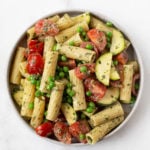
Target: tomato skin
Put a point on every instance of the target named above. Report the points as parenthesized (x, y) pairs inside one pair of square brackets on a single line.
[(70, 63), (45, 129), (61, 131), (83, 45), (97, 89), (33, 47), (98, 38), (35, 64), (46, 27), (79, 127), (84, 75), (122, 58)]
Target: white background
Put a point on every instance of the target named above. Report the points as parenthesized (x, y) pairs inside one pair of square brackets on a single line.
[(17, 15)]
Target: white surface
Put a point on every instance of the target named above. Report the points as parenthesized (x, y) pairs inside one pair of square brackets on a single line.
[(17, 15)]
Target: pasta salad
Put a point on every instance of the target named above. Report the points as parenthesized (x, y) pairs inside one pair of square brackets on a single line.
[(72, 78)]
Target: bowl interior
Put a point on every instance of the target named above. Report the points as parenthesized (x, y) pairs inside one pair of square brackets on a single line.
[(131, 51)]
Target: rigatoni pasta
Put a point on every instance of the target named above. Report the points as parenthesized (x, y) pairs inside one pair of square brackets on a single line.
[(71, 77)]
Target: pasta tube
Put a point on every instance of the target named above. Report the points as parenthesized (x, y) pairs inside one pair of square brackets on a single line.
[(79, 102), (107, 114), (77, 53), (15, 76), (55, 101), (67, 33), (28, 98), (54, 18), (64, 22), (125, 91), (31, 33), (22, 69), (49, 69), (49, 42), (38, 112), (18, 96), (69, 113), (76, 39), (100, 131)]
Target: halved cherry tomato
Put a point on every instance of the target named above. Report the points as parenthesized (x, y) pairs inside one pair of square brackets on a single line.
[(122, 58), (46, 27), (84, 75), (98, 38), (79, 127), (45, 129), (61, 131), (84, 44), (33, 47), (97, 89), (35, 64), (70, 63)]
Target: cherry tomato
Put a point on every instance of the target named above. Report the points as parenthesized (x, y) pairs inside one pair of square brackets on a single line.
[(84, 44), (84, 75), (98, 38), (96, 88), (33, 47), (46, 27), (78, 128), (70, 63), (45, 129), (122, 58), (35, 64), (61, 131)]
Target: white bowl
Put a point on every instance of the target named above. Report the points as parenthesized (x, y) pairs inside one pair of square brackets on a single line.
[(130, 109)]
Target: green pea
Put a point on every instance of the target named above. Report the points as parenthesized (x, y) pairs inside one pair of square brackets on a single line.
[(45, 113), (38, 93), (115, 62), (133, 99), (33, 81), (31, 105), (88, 93), (108, 39), (38, 83), (65, 69), (69, 100), (83, 116), (108, 45), (80, 29), (69, 85), (63, 58), (54, 47), (51, 84), (89, 46), (136, 86), (72, 93), (91, 104), (84, 33), (83, 69), (109, 34), (109, 24), (82, 136), (61, 74), (71, 43), (68, 90), (89, 109), (51, 79)]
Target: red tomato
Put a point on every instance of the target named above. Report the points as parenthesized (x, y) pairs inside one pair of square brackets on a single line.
[(98, 38), (97, 89), (61, 131), (70, 63), (46, 27), (33, 47), (35, 64), (45, 129), (79, 127), (84, 75), (122, 58), (84, 44)]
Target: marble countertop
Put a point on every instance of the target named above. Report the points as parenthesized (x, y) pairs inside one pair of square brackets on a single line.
[(17, 15)]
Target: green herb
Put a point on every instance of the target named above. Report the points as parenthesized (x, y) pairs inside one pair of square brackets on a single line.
[(80, 29), (136, 86), (115, 62), (83, 69), (31, 105), (82, 136), (83, 116), (88, 93), (71, 43), (133, 99), (109, 34), (109, 24), (89, 46)]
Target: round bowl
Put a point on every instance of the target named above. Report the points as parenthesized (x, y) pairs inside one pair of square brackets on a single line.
[(129, 109)]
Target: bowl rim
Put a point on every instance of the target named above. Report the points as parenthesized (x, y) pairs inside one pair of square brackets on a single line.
[(104, 17)]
